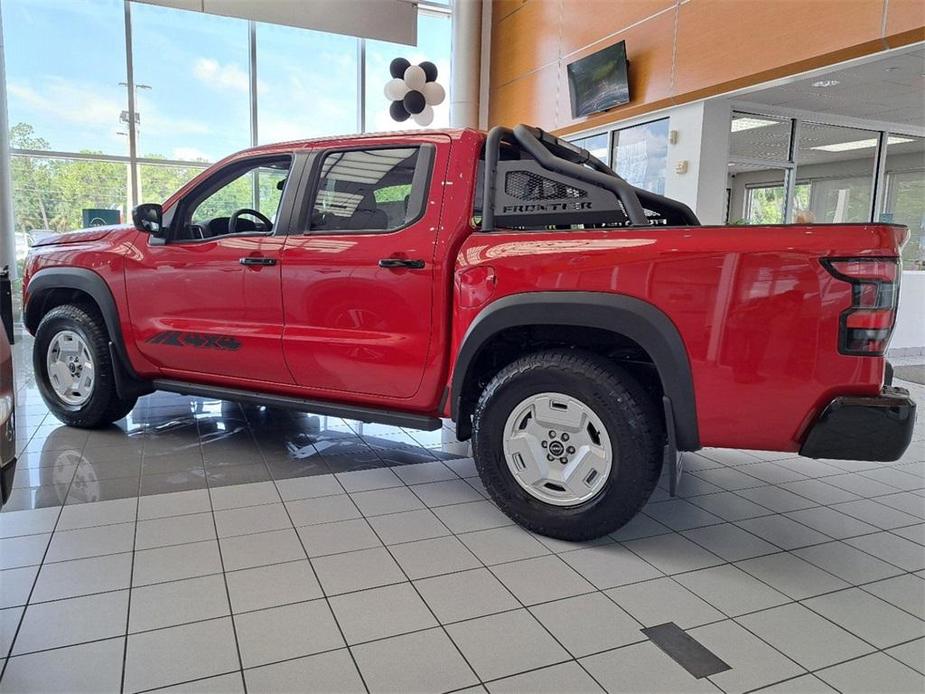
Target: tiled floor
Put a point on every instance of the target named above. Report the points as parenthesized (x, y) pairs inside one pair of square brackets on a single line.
[(210, 548)]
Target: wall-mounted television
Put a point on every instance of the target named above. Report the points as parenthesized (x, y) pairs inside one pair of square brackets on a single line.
[(599, 81)]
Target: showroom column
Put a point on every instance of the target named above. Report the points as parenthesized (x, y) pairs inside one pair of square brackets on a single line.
[(465, 56), (7, 239)]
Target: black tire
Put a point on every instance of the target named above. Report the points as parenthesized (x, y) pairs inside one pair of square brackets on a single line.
[(104, 405), (629, 414)]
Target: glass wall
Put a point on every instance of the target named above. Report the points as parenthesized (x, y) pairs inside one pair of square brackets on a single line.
[(640, 155), (204, 86), (904, 194), (598, 145)]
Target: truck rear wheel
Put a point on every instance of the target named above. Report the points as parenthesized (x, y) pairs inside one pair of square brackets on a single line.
[(567, 444), (74, 369)]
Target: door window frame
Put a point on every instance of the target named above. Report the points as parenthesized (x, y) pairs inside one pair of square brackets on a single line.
[(421, 184), (226, 175)]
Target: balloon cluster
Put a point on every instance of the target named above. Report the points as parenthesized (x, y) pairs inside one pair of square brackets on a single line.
[(413, 91)]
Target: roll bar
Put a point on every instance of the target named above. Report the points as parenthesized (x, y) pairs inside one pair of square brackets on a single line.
[(578, 165)]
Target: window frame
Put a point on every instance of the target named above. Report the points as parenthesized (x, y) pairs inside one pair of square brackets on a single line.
[(222, 177), (421, 184)]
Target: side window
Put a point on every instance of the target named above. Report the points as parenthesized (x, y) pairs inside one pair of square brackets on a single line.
[(379, 189), (254, 186)]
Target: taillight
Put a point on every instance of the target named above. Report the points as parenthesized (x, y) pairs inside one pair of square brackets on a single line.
[(865, 327)]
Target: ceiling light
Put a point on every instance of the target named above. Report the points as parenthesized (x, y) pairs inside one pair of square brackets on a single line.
[(860, 144), (822, 84), (740, 124)]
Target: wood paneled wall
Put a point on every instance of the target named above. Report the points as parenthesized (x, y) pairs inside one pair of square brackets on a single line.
[(680, 50)]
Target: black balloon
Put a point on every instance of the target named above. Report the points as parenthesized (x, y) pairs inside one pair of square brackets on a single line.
[(414, 102), (398, 66), (398, 111), (429, 69)]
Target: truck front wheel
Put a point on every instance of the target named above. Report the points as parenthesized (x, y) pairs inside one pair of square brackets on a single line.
[(74, 370), (567, 444)]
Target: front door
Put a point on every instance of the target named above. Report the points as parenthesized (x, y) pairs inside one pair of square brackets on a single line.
[(358, 281), (206, 302)]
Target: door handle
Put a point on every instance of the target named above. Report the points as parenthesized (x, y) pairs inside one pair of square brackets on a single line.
[(257, 260), (401, 263)]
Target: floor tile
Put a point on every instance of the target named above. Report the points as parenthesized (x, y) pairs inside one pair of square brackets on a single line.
[(818, 491), (230, 683), (30, 522), (9, 623), (26, 550), (905, 554), (177, 602), (422, 473), (906, 592), (880, 515), (503, 544), (97, 513), (271, 586), (731, 590), (444, 493), (173, 563), (408, 526), (342, 536), (831, 522), (638, 527), (252, 519), (381, 501), (83, 576), (610, 565), (664, 600), (247, 551), (810, 640), (325, 509), (91, 542), (869, 617), (174, 530), (174, 504), (15, 586), (679, 514), (89, 667), (804, 684), (366, 480), (290, 631), (434, 557), (783, 532), (325, 672), (729, 542), (754, 663), (75, 620), (911, 654), (643, 668), (847, 563), (422, 662), (673, 553), (381, 612), (367, 568), (178, 654), (565, 677), (876, 672), (465, 594), (310, 487), (728, 478), (541, 579), (505, 644), (588, 624), (729, 506), (792, 576), (240, 495)]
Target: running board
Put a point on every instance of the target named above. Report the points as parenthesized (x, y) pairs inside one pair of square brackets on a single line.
[(369, 415)]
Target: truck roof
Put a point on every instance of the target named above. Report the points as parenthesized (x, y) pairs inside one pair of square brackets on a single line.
[(452, 133)]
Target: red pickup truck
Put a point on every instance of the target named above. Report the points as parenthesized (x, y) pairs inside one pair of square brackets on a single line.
[(581, 331)]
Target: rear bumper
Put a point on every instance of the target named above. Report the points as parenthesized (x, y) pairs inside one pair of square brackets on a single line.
[(853, 428)]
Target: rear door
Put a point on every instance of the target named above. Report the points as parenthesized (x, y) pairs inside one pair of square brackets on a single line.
[(358, 274), (206, 303)]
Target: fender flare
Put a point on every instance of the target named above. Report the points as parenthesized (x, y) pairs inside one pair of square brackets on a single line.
[(638, 320), (90, 283)]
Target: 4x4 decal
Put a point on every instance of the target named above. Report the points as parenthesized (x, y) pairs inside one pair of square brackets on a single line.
[(177, 338)]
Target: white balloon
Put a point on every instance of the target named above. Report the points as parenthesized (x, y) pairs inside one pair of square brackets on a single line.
[(434, 94), (425, 117), (415, 77), (396, 89)]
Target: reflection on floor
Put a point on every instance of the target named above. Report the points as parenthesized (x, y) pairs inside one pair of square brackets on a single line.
[(203, 546)]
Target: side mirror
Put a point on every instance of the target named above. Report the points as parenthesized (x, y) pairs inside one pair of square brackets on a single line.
[(148, 217)]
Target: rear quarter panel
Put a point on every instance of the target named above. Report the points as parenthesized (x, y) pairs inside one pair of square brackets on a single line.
[(757, 312)]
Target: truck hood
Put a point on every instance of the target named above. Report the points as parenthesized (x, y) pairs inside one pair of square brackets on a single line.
[(83, 235)]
